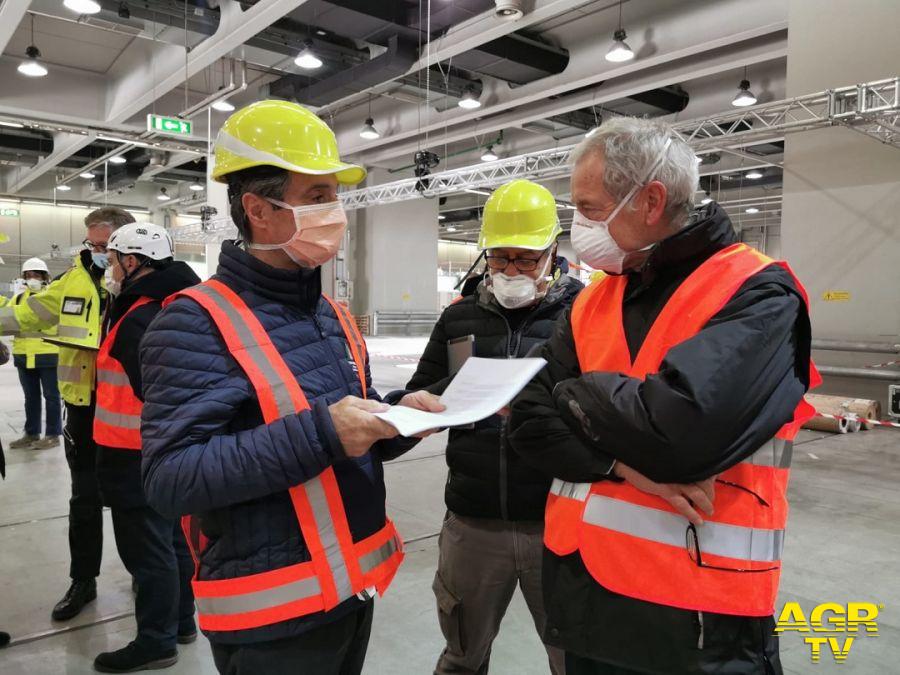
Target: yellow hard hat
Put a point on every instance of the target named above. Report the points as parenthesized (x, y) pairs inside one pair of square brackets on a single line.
[(519, 214), (282, 134)]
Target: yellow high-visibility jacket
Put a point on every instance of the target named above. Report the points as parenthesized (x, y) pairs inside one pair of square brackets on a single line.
[(72, 304), (29, 344)]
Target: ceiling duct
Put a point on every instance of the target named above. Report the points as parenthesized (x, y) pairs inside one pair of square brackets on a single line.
[(399, 57)]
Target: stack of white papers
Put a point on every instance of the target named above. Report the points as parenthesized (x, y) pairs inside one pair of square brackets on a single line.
[(479, 390)]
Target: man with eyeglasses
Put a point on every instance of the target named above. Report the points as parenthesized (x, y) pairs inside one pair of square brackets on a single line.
[(74, 304), (666, 414), (491, 537)]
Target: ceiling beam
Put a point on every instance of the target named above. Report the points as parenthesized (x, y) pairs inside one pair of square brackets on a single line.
[(64, 146), (698, 65), (11, 14), (141, 82), (683, 31), (471, 34)]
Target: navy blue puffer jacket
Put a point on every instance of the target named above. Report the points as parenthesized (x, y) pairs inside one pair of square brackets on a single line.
[(207, 451)]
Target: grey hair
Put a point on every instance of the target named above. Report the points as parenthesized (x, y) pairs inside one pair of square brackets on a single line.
[(630, 146)]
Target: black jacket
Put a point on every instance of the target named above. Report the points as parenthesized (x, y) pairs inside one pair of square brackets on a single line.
[(119, 470), (486, 480), (716, 399)]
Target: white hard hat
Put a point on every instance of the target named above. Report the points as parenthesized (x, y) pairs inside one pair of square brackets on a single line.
[(142, 239), (35, 265)]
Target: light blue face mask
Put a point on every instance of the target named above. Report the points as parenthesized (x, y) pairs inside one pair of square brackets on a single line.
[(100, 260)]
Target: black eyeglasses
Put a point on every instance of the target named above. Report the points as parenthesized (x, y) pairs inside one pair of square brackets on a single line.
[(692, 543), (100, 248), (501, 262)]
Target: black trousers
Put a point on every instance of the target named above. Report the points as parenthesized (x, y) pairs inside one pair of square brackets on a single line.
[(154, 552), (337, 648), (85, 506)]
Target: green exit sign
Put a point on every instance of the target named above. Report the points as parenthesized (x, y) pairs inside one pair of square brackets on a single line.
[(12, 213), (168, 125)]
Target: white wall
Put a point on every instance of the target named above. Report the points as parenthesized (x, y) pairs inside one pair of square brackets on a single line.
[(395, 251), (840, 224)]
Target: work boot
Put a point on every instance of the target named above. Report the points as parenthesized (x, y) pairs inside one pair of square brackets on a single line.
[(187, 632), (79, 594), (132, 658), (45, 443), (24, 442)]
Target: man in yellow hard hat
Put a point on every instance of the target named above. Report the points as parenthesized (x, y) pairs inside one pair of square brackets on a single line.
[(258, 416), (492, 532)]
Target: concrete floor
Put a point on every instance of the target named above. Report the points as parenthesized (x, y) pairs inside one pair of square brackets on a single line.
[(844, 546)]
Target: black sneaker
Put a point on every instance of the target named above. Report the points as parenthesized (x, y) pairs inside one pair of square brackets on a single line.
[(80, 593), (132, 658)]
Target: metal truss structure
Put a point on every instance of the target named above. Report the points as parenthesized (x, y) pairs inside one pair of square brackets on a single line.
[(872, 109)]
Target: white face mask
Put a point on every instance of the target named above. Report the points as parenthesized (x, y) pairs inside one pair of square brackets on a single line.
[(520, 290), (34, 284), (591, 238), (113, 287)]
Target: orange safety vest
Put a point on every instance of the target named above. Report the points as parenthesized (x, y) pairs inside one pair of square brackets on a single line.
[(634, 543), (340, 567), (117, 420)]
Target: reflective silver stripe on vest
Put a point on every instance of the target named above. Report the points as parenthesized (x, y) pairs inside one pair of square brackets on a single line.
[(69, 373), (8, 321), (577, 491), (256, 600), (120, 420), (373, 559), (777, 452), (732, 541), (76, 332), (40, 311), (253, 350), (113, 378), (325, 527)]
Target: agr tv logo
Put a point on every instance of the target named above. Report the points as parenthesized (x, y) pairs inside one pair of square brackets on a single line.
[(834, 621)]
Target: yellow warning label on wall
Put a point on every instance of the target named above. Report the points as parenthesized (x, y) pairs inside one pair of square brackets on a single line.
[(836, 296)]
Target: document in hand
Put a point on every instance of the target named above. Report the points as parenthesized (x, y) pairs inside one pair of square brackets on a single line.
[(480, 389)]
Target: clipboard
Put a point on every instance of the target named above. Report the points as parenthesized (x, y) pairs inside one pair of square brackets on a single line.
[(458, 352)]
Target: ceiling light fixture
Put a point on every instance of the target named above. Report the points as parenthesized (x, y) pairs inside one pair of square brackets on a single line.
[(753, 174), (31, 65), (451, 229), (162, 196), (63, 188), (118, 159), (744, 97), (469, 100), (87, 174), (14, 125), (196, 187), (751, 209), (477, 192), (83, 6), (489, 155), (307, 58), (369, 132), (222, 105), (620, 51), (441, 216)]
